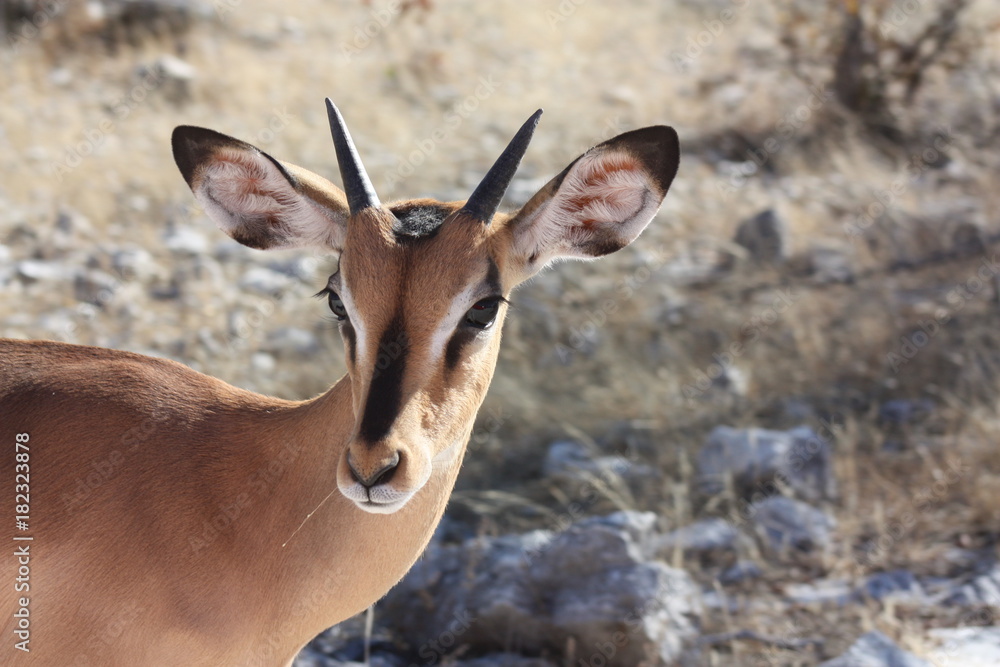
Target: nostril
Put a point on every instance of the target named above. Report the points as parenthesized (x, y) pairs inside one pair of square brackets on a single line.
[(380, 476), (387, 471)]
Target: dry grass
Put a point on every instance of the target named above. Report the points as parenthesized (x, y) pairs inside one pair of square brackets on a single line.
[(599, 70)]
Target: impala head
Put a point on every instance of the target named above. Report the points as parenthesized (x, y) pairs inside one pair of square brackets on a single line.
[(421, 286)]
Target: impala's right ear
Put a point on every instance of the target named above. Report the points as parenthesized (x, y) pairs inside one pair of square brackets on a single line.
[(600, 202), (257, 200)]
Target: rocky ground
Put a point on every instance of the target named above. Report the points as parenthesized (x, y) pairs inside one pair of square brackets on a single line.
[(765, 434)]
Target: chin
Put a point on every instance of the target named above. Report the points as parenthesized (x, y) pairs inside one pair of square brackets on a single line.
[(380, 508), (380, 500)]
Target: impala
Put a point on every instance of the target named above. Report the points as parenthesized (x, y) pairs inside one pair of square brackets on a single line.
[(223, 527)]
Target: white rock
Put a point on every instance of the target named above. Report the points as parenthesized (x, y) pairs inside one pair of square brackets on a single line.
[(789, 524), (874, 649), (265, 281), (968, 647), (43, 271), (186, 241)]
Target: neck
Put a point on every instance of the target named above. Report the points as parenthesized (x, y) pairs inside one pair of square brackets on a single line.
[(328, 559)]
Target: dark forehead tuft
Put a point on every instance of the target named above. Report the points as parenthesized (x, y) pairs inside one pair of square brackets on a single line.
[(418, 221)]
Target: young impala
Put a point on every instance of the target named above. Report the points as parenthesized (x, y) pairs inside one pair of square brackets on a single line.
[(162, 501)]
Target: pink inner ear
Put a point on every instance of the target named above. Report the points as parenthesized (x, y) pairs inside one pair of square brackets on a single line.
[(608, 188), (241, 183)]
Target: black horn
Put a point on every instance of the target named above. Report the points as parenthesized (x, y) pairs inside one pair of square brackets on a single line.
[(357, 186), (486, 199)]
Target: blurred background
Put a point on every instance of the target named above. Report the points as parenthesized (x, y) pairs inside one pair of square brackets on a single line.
[(826, 258)]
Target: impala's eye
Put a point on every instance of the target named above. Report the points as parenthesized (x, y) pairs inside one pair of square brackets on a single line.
[(483, 314), (337, 306)]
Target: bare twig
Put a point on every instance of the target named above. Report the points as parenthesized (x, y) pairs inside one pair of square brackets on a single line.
[(750, 635)]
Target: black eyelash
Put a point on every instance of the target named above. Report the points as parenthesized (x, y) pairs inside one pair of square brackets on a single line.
[(322, 293)]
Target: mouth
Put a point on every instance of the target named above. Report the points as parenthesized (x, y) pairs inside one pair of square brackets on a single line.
[(373, 507), (376, 500)]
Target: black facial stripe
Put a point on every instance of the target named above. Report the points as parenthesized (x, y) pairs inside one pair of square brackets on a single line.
[(453, 351), (385, 394), (351, 338), (493, 279)]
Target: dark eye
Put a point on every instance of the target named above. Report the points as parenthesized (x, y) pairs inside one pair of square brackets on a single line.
[(337, 306), (482, 315)]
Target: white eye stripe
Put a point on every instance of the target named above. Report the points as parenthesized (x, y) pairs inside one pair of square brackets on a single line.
[(456, 312), (360, 330)]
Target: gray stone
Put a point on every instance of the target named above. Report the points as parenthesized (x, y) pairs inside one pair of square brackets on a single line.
[(571, 462), (895, 584), (755, 459), (305, 269), (169, 76), (133, 262), (291, 341), (982, 589), (592, 582), (503, 660), (95, 287), (311, 658), (740, 571), (186, 241), (969, 240), (874, 649), (899, 412), (764, 237), (6, 268), (701, 537), (830, 264), (789, 524), (820, 592)]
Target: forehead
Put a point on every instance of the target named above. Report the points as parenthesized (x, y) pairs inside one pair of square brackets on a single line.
[(420, 250)]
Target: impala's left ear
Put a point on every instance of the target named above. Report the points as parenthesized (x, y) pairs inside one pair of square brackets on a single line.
[(600, 203), (259, 201)]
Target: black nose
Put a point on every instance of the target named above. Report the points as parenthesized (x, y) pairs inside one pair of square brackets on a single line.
[(380, 476)]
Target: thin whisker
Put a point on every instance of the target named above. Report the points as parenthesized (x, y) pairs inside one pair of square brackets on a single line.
[(321, 503)]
